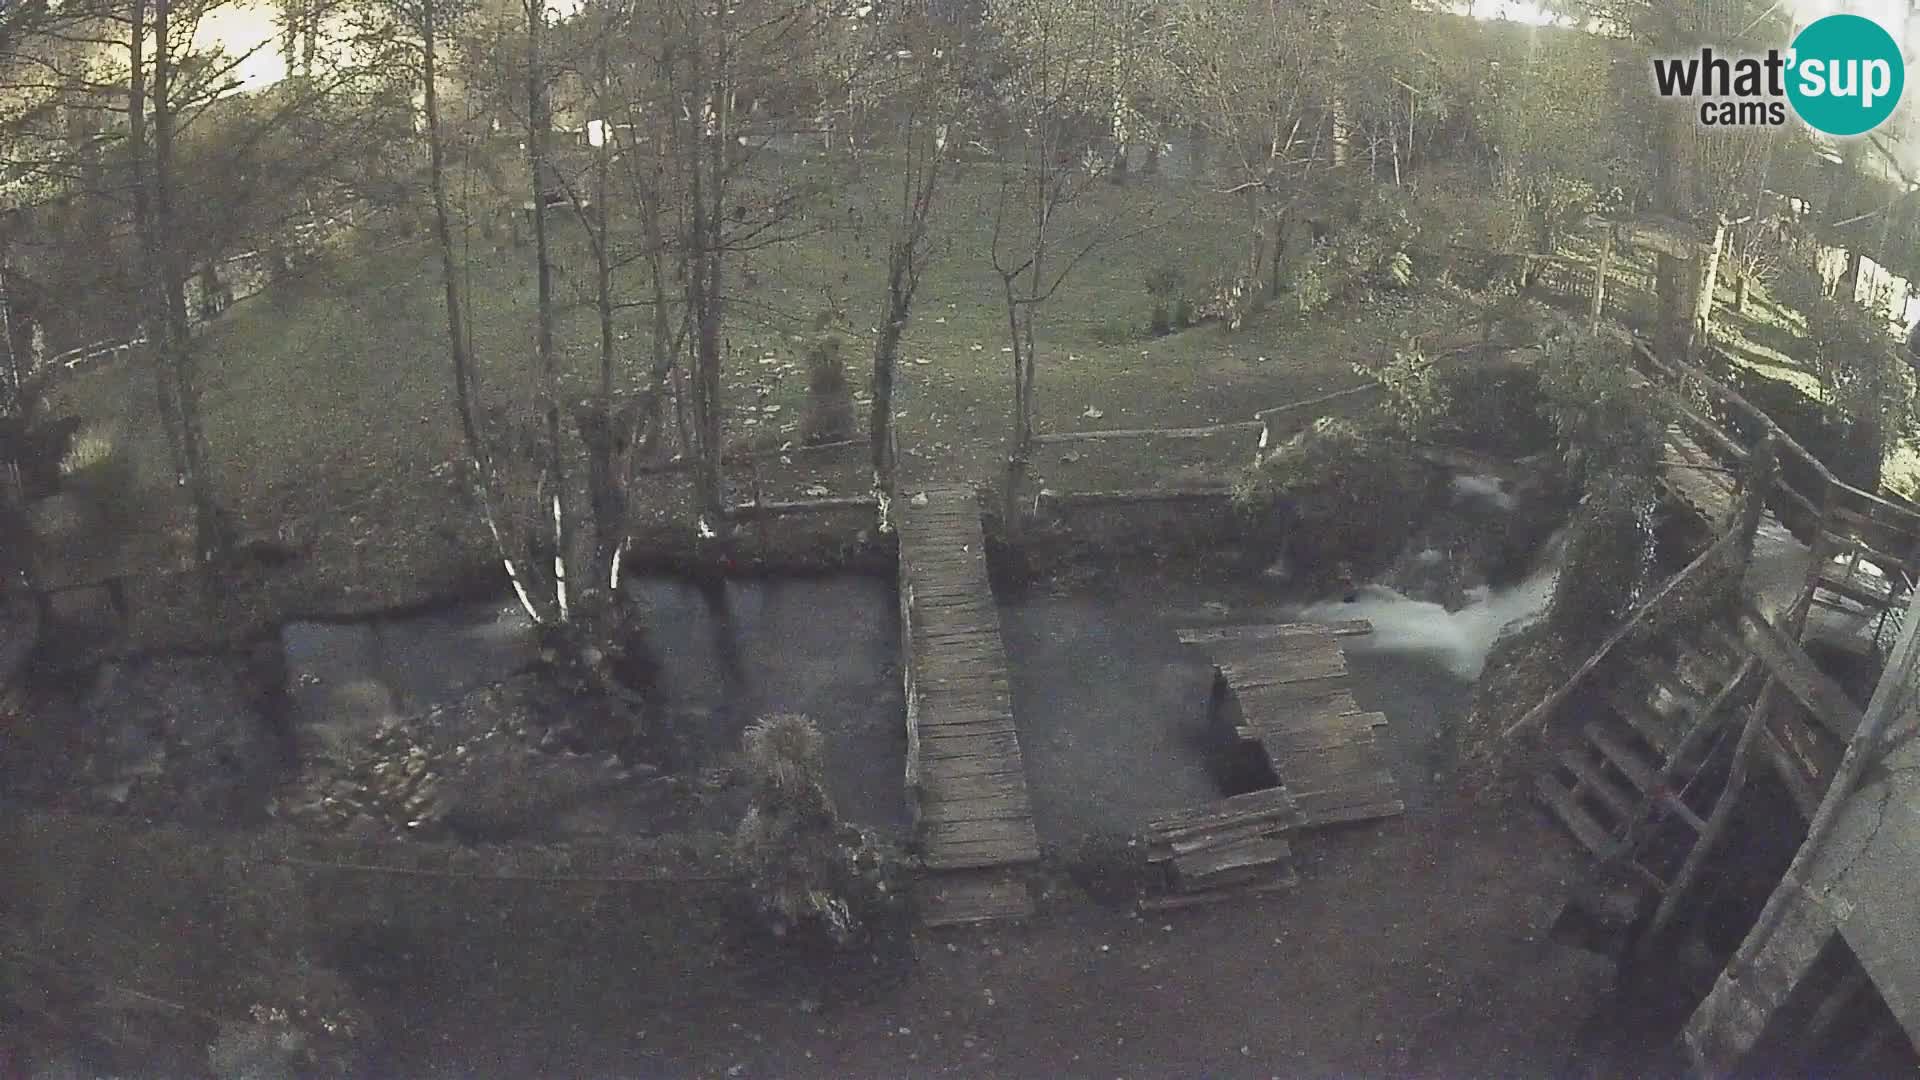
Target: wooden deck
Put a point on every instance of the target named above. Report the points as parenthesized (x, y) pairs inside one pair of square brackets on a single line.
[(964, 766), (1296, 704)]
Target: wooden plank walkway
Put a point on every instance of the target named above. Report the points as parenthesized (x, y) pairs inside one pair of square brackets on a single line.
[(1696, 478), (963, 754), (1296, 703)]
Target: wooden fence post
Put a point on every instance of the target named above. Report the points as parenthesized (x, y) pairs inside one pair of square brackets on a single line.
[(1600, 279)]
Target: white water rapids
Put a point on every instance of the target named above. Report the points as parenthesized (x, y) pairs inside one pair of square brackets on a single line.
[(1457, 640)]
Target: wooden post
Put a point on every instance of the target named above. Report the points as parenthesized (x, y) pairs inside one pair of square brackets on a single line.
[(1755, 484), (1716, 822), (1709, 282), (1600, 271)]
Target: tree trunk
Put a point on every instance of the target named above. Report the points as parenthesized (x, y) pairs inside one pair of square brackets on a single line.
[(608, 495), (1709, 284), (886, 358), (1742, 292), (1598, 305), (539, 124), (463, 390), (176, 347)]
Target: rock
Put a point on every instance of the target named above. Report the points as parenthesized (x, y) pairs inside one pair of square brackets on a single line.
[(918, 501)]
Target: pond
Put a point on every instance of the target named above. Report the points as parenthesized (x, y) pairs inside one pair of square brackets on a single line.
[(1114, 711), (826, 646)]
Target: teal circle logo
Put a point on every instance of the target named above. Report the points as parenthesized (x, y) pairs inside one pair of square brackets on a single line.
[(1845, 75)]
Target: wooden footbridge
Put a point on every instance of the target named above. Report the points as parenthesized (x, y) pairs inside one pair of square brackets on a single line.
[(1297, 707), (1320, 750), (964, 769)]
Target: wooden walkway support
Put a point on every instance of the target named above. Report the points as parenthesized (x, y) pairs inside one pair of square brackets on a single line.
[(1295, 703), (1234, 847), (964, 768)]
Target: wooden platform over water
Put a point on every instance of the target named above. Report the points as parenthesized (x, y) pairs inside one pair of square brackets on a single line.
[(964, 766), (1297, 705)]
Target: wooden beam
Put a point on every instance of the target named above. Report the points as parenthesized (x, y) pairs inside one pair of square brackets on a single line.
[(1716, 822), (1538, 713), (1137, 495), (799, 506), (1146, 433), (1266, 416), (1668, 236), (1796, 671), (1676, 368)]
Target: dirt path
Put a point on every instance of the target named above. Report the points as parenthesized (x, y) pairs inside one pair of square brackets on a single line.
[(1416, 948)]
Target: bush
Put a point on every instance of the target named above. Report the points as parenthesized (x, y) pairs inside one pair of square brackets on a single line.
[(829, 413), (1334, 494), (806, 869), (1614, 434), (1495, 406), (1865, 382), (1171, 311), (101, 475)]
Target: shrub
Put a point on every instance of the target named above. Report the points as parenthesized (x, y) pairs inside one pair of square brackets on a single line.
[(1866, 384), (829, 415), (101, 475), (1336, 493), (1165, 286), (1495, 406), (1614, 434), (806, 869)]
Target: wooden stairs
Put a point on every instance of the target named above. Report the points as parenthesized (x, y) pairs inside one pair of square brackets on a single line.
[(1625, 778), (1638, 780)]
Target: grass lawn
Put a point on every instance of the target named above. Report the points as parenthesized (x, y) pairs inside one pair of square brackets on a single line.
[(328, 401)]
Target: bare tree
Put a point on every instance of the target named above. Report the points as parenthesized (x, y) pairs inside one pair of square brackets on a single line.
[(928, 99)]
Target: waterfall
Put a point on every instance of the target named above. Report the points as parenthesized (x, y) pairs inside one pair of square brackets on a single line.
[(1458, 640)]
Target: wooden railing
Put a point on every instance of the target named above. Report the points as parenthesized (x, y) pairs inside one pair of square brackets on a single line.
[(1736, 540)]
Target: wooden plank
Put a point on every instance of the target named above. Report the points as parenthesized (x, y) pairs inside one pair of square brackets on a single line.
[(1298, 766), (1289, 742), (1327, 694), (971, 898), (964, 766), (940, 786), (1255, 673), (997, 808), (1233, 834), (1797, 673), (1210, 635), (1241, 651), (1327, 719), (1344, 815), (935, 743), (1324, 787), (1274, 804), (964, 722), (1585, 829), (1619, 802), (978, 856), (1010, 833), (1212, 863), (1637, 770), (1285, 879)]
